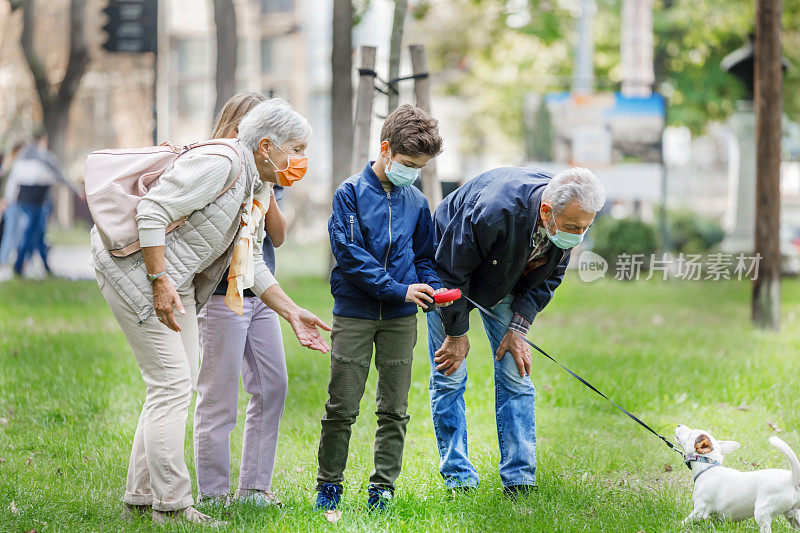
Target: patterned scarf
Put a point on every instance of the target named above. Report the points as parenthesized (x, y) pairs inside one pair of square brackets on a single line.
[(242, 269)]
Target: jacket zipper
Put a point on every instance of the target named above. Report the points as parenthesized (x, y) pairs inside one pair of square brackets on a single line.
[(352, 218), (388, 248)]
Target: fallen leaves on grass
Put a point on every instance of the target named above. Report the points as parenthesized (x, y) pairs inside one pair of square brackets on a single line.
[(28, 461), (743, 407), (667, 467), (333, 516), (774, 427), (752, 464)]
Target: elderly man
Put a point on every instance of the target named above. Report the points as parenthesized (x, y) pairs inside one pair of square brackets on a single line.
[(504, 239)]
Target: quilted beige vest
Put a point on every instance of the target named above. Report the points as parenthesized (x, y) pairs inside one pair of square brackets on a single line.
[(199, 252)]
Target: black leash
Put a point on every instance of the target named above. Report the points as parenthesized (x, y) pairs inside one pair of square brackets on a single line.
[(576, 376)]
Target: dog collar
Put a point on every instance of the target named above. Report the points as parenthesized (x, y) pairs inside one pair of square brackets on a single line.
[(700, 473), (694, 458)]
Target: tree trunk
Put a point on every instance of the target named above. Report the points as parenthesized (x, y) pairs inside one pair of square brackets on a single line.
[(398, 22), (768, 80), (56, 104), (341, 94), (225, 21)]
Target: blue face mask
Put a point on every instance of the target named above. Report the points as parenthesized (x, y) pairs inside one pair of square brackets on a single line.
[(564, 239), (402, 175)]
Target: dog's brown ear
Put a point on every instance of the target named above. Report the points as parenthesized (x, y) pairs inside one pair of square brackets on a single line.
[(703, 444)]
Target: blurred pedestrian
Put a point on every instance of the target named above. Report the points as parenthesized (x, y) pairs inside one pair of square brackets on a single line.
[(249, 345), (215, 192), (12, 227), (35, 171)]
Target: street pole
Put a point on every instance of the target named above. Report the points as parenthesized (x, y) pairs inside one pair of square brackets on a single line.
[(766, 305)]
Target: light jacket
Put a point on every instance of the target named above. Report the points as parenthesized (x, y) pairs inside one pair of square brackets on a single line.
[(200, 251), (382, 242)]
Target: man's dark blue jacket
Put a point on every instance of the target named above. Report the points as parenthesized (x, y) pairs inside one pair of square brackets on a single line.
[(483, 236), (382, 242)]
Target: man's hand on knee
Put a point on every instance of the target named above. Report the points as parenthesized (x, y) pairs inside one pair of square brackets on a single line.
[(517, 347), (452, 353)]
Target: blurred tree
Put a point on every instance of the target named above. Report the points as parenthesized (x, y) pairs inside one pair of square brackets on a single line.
[(55, 98), (225, 77), (539, 135), (498, 50)]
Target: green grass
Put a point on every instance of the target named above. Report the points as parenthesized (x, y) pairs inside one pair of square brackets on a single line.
[(70, 394)]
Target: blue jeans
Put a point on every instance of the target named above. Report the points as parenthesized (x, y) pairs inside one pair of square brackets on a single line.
[(515, 403), (12, 231), (33, 239)]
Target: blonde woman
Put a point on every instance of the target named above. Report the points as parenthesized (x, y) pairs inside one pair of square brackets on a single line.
[(249, 346)]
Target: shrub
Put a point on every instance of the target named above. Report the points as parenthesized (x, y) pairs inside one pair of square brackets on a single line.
[(693, 233), (613, 237)]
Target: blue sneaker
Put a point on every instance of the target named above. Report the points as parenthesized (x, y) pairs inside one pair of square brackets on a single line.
[(379, 498), (328, 496)]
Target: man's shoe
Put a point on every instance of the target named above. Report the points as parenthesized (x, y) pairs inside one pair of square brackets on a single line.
[(259, 498), (328, 496), (134, 512), (189, 515), (519, 491), (379, 498), (460, 490)]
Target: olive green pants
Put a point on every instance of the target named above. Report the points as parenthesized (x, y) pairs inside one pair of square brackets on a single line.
[(352, 340)]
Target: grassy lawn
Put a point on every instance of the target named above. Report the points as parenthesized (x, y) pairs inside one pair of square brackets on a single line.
[(672, 352)]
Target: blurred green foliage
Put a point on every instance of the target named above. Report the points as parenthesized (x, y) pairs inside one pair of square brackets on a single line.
[(693, 233), (613, 237), (499, 50)]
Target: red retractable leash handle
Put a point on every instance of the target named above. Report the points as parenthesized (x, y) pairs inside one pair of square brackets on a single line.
[(443, 297)]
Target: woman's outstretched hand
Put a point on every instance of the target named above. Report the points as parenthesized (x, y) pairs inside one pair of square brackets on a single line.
[(305, 324)]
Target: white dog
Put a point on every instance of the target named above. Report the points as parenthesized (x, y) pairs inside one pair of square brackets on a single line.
[(729, 494)]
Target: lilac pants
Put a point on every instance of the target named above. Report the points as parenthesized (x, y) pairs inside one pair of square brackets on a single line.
[(231, 345)]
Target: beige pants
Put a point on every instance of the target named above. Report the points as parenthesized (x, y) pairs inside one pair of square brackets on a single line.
[(168, 361)]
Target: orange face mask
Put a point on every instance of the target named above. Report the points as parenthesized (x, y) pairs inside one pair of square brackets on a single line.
[(296, 167)]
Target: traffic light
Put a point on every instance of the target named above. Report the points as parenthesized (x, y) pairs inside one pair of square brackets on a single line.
[(132, 26)]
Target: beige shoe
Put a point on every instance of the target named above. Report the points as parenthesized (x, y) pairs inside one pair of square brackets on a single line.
[(134, 512), (259, 498), (188, 514)]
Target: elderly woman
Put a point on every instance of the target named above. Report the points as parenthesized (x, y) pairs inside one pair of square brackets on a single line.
[(249, 345), (222, 226)]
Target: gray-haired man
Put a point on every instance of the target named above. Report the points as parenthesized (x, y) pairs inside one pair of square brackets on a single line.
[(504, 239)]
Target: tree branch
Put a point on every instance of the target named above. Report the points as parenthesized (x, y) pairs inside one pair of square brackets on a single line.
[(78, 55), (40, 79)]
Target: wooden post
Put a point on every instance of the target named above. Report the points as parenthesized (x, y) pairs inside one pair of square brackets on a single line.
[(430, 183), (363, 118), (398, 22), (766, 305)]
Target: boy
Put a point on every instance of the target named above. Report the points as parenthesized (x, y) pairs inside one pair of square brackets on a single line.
[(381, 235)]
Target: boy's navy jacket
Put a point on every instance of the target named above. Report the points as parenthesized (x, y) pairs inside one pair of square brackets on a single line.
[(483, 233), (382, 242)]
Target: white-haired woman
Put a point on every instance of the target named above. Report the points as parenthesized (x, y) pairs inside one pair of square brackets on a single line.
[(247, 345), (223, 227)]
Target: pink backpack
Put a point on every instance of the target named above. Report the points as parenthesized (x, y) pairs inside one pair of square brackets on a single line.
[(117, 179)]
